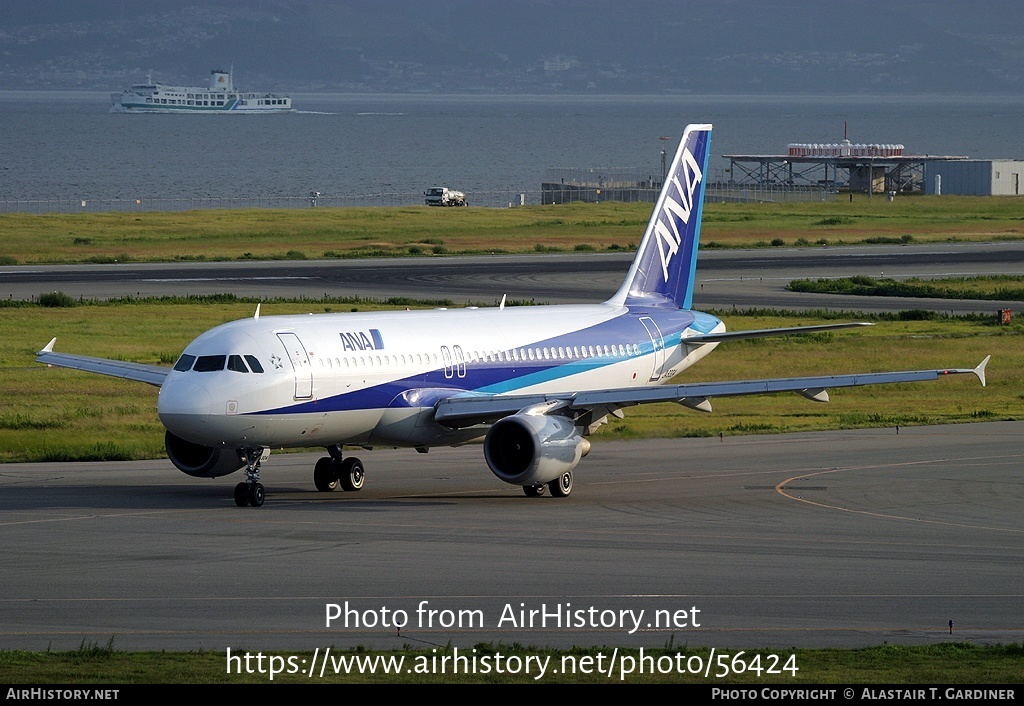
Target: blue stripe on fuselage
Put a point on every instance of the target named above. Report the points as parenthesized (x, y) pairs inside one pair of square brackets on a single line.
[(501, 377)]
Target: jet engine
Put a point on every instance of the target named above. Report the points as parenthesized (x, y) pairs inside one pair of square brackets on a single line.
[(530, 449), (201, 461)]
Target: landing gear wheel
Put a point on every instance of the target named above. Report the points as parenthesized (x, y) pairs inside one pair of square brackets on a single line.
[(561, 486), (325, 476), (251, 492), (534, 491), (351, 474), (257, 495)]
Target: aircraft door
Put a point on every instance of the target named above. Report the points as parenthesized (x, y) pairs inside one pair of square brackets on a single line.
[(300, 365), (460, 361), (659, 347), (446, 356)]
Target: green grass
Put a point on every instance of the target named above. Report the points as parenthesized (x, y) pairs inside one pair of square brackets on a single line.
[(940, 663), (56, 414), (425, 231), (915, 219), (987, 287)]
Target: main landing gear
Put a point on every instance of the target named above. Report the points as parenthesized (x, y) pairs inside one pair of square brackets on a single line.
[(560, 487), (332, 471), (251, 491)]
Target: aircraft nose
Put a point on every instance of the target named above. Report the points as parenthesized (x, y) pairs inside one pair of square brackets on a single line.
[(183, 397), (182, 403)]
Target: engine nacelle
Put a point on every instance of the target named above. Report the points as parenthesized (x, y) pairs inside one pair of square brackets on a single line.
[(201, 461), (529, 449)]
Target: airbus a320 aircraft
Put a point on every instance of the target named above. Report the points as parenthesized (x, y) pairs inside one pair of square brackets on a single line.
[(532, 382)]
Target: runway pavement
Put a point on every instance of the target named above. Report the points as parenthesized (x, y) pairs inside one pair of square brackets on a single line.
[(725, 278), (824, 539)]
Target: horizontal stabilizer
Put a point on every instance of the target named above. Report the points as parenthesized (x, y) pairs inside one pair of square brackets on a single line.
[(765, 332)]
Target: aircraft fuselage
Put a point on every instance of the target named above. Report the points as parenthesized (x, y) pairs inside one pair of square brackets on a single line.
[(373, 378)]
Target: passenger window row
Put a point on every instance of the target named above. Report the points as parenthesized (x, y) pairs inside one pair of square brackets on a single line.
[(214, 363)]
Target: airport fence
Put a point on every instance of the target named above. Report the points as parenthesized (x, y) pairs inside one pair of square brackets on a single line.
[(773, 193), (716, 193), (507, 198), (60, 204)]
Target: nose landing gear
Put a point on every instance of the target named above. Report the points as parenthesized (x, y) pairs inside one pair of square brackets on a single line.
[(251, 491)]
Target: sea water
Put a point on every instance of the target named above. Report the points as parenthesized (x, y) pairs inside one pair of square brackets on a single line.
[(66, 145)]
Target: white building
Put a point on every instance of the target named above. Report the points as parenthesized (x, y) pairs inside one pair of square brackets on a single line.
[(974, 177)]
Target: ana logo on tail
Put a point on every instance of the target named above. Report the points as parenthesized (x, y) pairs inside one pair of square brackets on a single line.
[(676, 210)]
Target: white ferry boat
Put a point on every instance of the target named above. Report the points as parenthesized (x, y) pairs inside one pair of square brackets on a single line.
[(220, 97)]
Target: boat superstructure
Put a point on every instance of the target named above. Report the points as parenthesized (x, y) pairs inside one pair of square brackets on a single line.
[(219, 97)]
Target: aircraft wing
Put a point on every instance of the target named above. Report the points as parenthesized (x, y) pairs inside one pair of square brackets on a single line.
[(461, 411), (152, 374)]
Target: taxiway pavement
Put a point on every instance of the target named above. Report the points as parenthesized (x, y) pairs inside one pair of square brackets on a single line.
[(819, 539), (725, 278)]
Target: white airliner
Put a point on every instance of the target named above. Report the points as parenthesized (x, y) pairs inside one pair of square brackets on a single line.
[(532, 382)]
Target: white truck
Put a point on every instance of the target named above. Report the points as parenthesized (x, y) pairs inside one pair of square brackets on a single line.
[(443, 196)]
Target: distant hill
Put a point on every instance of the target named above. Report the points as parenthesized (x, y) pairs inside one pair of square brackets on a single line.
[(525, 46)]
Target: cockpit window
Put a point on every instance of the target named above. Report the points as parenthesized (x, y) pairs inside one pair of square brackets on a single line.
[(213, 363), (209, 363), (184, 362)]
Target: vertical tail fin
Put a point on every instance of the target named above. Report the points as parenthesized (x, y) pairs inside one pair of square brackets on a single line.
[(663, 271)]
